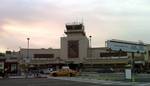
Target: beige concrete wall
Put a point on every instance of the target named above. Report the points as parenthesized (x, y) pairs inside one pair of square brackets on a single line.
[(23, 52), (83, 48), (95, 52)]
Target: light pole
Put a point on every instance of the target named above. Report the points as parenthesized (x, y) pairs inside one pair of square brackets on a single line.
[(28, 39), (90, 41), (90, 47), (27, 59)]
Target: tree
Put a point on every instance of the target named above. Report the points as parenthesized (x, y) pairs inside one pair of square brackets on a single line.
[(2, 54)]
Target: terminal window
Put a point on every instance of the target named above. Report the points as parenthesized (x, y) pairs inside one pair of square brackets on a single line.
[(74, 27), (73, 49), (113, 54), (43, 55)]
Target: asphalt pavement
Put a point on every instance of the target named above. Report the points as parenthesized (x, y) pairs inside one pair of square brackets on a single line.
[(47, 82), (90, 80)]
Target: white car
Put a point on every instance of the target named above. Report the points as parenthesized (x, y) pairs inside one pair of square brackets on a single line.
[(47, 71)]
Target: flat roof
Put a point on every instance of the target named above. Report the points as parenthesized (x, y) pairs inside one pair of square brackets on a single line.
[(127, 42)]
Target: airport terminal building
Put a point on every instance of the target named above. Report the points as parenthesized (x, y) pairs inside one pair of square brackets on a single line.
[(76, 50)]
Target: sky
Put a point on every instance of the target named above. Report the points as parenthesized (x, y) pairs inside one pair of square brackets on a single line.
[(43, 21)]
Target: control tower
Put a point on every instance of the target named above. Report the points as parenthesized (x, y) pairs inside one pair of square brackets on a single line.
[(75, 29), (75, 45)]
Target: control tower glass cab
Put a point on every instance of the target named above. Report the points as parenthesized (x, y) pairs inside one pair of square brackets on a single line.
[(75, 28)]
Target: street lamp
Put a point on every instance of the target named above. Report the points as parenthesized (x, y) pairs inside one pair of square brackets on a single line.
[(28, 39), (90, 41), (27, 59), (90, 47)]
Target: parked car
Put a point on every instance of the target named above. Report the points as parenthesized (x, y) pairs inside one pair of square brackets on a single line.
[(46, 71), (64, 72)]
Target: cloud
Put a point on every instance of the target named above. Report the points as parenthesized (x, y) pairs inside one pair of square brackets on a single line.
[(15, 34), (44, 20)]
